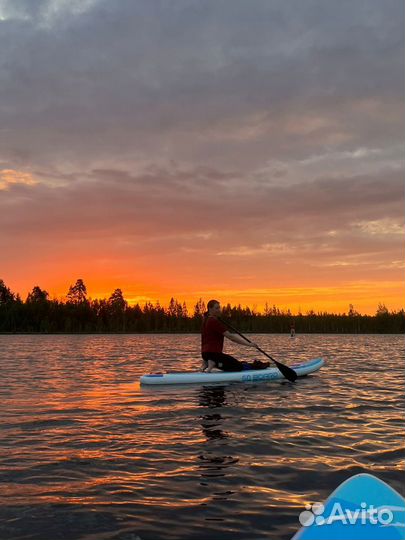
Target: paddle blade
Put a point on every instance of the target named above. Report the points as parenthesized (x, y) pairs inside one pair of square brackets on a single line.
[(288, 372)]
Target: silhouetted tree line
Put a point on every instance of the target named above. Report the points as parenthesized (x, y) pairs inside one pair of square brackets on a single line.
[(78, 314)]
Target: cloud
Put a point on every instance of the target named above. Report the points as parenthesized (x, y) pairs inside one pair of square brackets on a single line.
[(230, 84), (10, 176), (43, 12), (205, 209), (381, 227), (238, 134)]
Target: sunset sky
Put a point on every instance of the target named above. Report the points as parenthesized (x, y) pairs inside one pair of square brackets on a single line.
[(249, 151)]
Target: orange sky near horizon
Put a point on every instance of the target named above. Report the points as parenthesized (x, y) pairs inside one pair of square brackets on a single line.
[(364, 295)]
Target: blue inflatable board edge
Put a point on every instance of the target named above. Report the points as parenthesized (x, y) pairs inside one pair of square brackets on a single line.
[(363, 507)]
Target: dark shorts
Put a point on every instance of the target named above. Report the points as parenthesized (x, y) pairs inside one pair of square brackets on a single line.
[(223, 361)]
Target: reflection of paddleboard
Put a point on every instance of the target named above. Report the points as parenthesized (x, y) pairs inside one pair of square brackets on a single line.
[(250, 375), (361, 508)]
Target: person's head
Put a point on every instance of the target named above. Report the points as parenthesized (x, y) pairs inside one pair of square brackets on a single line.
[(213, 308)]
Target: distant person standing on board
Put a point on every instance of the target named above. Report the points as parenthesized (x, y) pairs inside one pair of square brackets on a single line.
[(212, 343), (292, 330)]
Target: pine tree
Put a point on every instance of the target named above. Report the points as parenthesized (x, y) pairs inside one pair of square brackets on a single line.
[(6, 296), (199, 309), (37, 295), (117, 301), (77, 293)]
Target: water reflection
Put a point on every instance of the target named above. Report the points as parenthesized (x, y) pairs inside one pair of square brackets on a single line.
[(212, 396), (214, 461), (82, 443), (211, 426)]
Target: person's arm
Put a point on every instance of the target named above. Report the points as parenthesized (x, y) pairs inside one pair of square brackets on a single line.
[(238, 339)]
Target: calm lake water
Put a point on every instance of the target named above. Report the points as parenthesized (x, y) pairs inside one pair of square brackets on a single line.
[(85, 453)]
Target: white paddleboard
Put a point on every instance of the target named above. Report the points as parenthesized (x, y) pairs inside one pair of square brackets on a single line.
[(254, 375)]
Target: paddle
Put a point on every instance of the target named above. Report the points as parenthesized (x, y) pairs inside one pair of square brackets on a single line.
[(288, 373)]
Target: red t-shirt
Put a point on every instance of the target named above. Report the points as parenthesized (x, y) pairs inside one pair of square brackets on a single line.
[(212, 335)]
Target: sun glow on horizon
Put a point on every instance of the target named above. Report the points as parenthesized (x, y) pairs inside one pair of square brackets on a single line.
[(364, 296)]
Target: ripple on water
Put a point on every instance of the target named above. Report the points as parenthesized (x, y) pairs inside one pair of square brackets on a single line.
[(86, 453)]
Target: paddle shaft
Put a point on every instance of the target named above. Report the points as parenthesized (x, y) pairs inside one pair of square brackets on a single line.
[(247, 339), (288, 372)]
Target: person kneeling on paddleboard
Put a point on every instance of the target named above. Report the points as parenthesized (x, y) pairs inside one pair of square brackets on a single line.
[(212, 343)]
